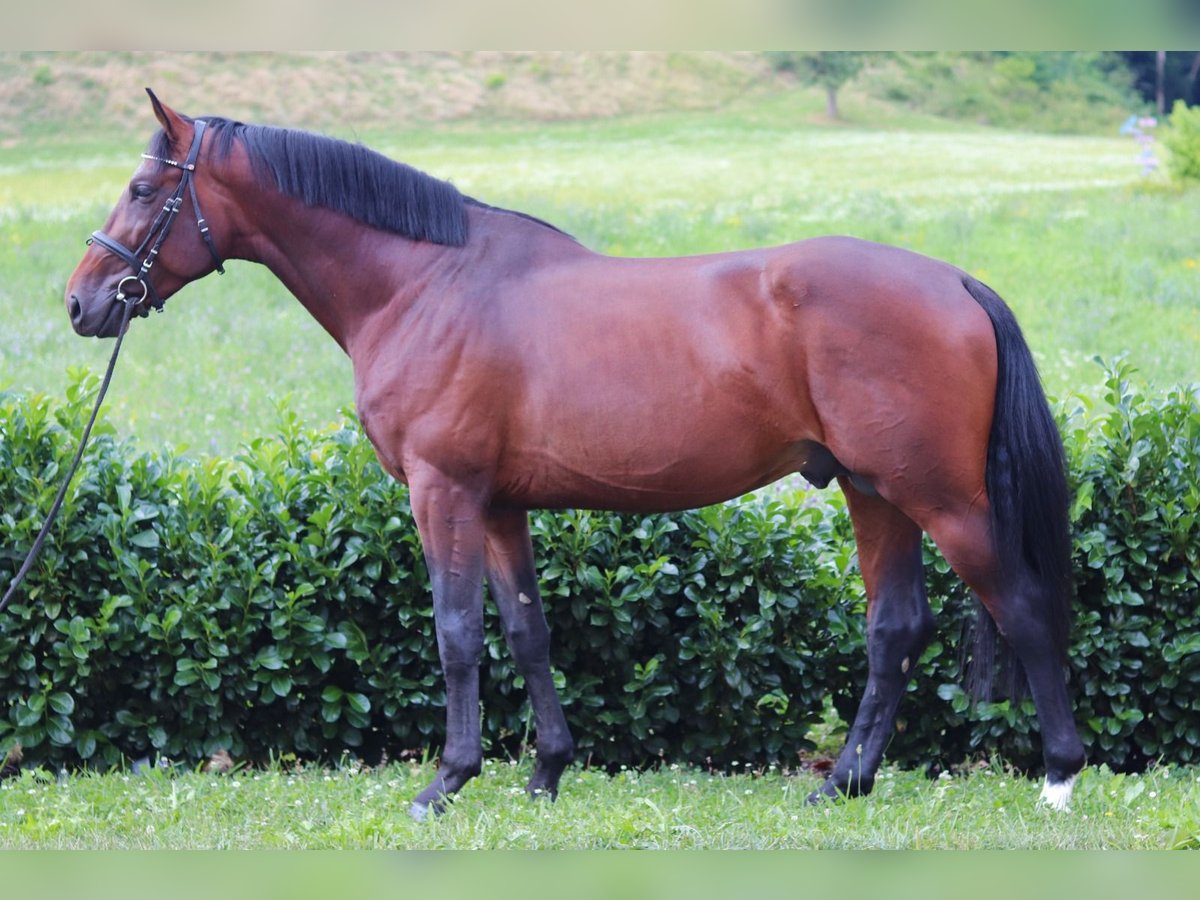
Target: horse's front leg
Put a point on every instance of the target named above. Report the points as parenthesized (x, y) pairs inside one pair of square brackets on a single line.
[(449, 517), (512, 581)]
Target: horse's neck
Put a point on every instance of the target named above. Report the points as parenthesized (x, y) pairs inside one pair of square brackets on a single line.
[(345, 272), (342, 271)]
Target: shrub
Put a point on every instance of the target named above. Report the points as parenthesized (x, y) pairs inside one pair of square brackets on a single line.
[(277, 603), (1182, 139), (1053, 91), (1136, 656)]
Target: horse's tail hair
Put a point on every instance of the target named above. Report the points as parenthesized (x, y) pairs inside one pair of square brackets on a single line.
[(1027, 490)]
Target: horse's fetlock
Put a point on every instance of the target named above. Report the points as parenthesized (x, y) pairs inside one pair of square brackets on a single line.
[(555, 756), (463, 766)]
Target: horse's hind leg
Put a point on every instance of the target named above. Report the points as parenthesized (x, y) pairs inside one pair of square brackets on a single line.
[(899, 625), (512, 581), (1021, 607)]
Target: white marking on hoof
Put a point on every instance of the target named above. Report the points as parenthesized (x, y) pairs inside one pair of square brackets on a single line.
[(419, 812), (904, 664), (1057, 795), (524, 598)]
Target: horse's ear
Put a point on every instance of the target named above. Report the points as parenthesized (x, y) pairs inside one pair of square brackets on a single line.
[(171, 121)]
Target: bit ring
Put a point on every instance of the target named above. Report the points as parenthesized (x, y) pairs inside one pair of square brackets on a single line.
[(121, 295)]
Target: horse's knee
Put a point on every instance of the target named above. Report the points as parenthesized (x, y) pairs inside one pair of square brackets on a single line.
[(528, 641), (460, 647)]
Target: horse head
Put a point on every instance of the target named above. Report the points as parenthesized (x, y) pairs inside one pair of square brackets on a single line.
[(131, 260)]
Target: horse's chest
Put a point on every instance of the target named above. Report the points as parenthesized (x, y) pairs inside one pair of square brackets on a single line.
[(411, 428)]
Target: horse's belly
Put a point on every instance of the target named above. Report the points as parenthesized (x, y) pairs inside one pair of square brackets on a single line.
[(649, 474)]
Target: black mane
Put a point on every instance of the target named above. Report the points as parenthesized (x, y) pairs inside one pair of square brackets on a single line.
[(349, 178)]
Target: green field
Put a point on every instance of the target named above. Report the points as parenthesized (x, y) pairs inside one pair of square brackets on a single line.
[(1094, 258), (673, 808)]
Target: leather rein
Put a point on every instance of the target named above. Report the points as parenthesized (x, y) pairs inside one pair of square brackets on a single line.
[(141, 266)]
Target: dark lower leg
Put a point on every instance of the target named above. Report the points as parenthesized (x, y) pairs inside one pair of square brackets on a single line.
[(895, 642), (1018, 620), (462, 756), (1022, 612), (899, 625), (513, 583)]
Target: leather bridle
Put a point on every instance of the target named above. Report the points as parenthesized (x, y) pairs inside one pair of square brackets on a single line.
[(142, 259)]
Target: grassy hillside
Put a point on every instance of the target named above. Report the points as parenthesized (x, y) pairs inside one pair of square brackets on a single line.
[(67, 95), (39, 92)]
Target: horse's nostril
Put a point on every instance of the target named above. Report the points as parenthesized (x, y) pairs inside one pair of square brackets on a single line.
[(76, 309)]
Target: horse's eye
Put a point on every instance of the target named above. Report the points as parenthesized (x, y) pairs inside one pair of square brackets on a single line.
[(142, 191)]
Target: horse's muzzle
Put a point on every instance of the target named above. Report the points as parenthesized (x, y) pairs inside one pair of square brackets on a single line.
[(103, 323)]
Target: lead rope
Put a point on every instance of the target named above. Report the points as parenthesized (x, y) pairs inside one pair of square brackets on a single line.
[(130, 303)]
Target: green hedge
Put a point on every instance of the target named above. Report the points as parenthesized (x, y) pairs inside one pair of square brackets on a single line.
[(276, 603)]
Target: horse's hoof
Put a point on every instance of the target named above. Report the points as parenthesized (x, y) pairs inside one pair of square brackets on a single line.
[(424, 810), (547, 795), (816, 798), (827, 793)]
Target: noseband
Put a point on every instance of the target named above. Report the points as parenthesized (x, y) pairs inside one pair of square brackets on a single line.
[(142, 259)]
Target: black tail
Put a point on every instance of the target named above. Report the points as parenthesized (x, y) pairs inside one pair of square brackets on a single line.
[(1027, 487)]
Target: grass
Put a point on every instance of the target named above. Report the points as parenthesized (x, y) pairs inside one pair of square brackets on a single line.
[(1094, 258), (672, 808)]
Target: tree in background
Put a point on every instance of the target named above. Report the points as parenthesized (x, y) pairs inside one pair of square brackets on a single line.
[(1162, 77), (1052, 91), (828, 68)]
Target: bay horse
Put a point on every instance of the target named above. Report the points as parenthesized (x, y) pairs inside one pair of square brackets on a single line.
[(500, 366)]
